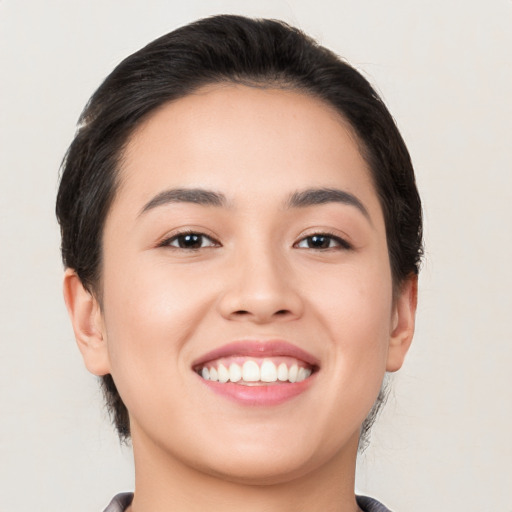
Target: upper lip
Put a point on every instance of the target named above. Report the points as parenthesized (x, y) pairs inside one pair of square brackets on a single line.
[(260, 349)]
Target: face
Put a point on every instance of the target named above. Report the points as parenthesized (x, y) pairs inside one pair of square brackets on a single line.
[(247, 314)]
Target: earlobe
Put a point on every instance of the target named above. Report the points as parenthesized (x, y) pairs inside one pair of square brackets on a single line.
[(87, 320), (404, 316)]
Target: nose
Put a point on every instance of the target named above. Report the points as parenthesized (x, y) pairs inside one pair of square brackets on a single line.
[(260, 288)]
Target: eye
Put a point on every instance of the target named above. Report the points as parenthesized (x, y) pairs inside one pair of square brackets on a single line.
[(189, 240), (323, 241)]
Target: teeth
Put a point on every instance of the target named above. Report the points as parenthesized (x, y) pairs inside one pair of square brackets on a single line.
[(303, 374), (282, 372), (268, 372), (235, 372), (223, 373), (251, 371)]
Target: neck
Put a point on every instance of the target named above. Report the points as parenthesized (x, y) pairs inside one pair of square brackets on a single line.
[(165, 484)]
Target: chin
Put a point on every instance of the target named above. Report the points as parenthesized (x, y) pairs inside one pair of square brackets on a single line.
[(273, 460), (261, 470)]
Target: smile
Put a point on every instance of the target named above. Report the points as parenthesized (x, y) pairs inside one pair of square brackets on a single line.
[(257, 372), (251, 371)]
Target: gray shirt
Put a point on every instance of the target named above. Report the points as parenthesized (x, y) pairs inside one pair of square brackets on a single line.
[(123, 500)]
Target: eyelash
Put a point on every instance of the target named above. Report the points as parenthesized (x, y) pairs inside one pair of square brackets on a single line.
[(181, 235), (340, 242)]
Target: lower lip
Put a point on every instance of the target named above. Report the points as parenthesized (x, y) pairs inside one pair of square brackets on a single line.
[(259, 395)]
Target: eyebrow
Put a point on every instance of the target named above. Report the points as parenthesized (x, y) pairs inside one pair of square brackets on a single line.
[(299, 199), (186, 195), (317, 196)]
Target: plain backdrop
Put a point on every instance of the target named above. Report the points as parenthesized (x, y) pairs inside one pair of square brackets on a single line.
[(443, 67)]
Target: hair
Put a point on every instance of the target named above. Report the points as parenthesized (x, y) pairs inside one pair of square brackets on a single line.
[(225, 49)]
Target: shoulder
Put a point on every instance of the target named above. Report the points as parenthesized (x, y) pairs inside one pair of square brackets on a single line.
[(370, 505), (120, 502)]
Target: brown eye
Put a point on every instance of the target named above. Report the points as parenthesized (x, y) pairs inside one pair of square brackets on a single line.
[(191, 241), (323, 241), (319, 242)]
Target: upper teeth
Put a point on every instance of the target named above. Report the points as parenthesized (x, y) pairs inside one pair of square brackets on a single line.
[(250, 371)]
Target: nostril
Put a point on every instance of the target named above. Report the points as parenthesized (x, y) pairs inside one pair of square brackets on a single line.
[(282, 312)]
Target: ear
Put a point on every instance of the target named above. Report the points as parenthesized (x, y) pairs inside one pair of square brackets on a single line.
[(404, 315), (87, 320)]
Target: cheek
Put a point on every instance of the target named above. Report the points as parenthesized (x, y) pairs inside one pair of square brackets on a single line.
[(354, 301), (354, 307), (150, 314)]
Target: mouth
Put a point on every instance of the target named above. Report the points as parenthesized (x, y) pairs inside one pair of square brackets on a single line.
[(255, 372)]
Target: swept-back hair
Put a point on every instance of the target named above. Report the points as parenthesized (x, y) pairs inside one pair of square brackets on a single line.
[(233, 49)]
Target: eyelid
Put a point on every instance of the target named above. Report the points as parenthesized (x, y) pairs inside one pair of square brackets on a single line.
[(342, 241), (166, 240), (170, 237)]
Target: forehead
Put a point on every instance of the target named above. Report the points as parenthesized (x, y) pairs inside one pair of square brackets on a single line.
[(247, 141)]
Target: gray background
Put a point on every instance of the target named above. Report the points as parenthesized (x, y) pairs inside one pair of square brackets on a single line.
[(444, 68)]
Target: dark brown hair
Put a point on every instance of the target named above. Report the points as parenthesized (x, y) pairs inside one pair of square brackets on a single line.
[(235, 49)]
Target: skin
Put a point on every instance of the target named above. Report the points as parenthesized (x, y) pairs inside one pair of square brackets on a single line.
[(255, 277)]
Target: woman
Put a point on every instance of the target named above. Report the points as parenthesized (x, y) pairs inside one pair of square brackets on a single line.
[(241, 232)]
